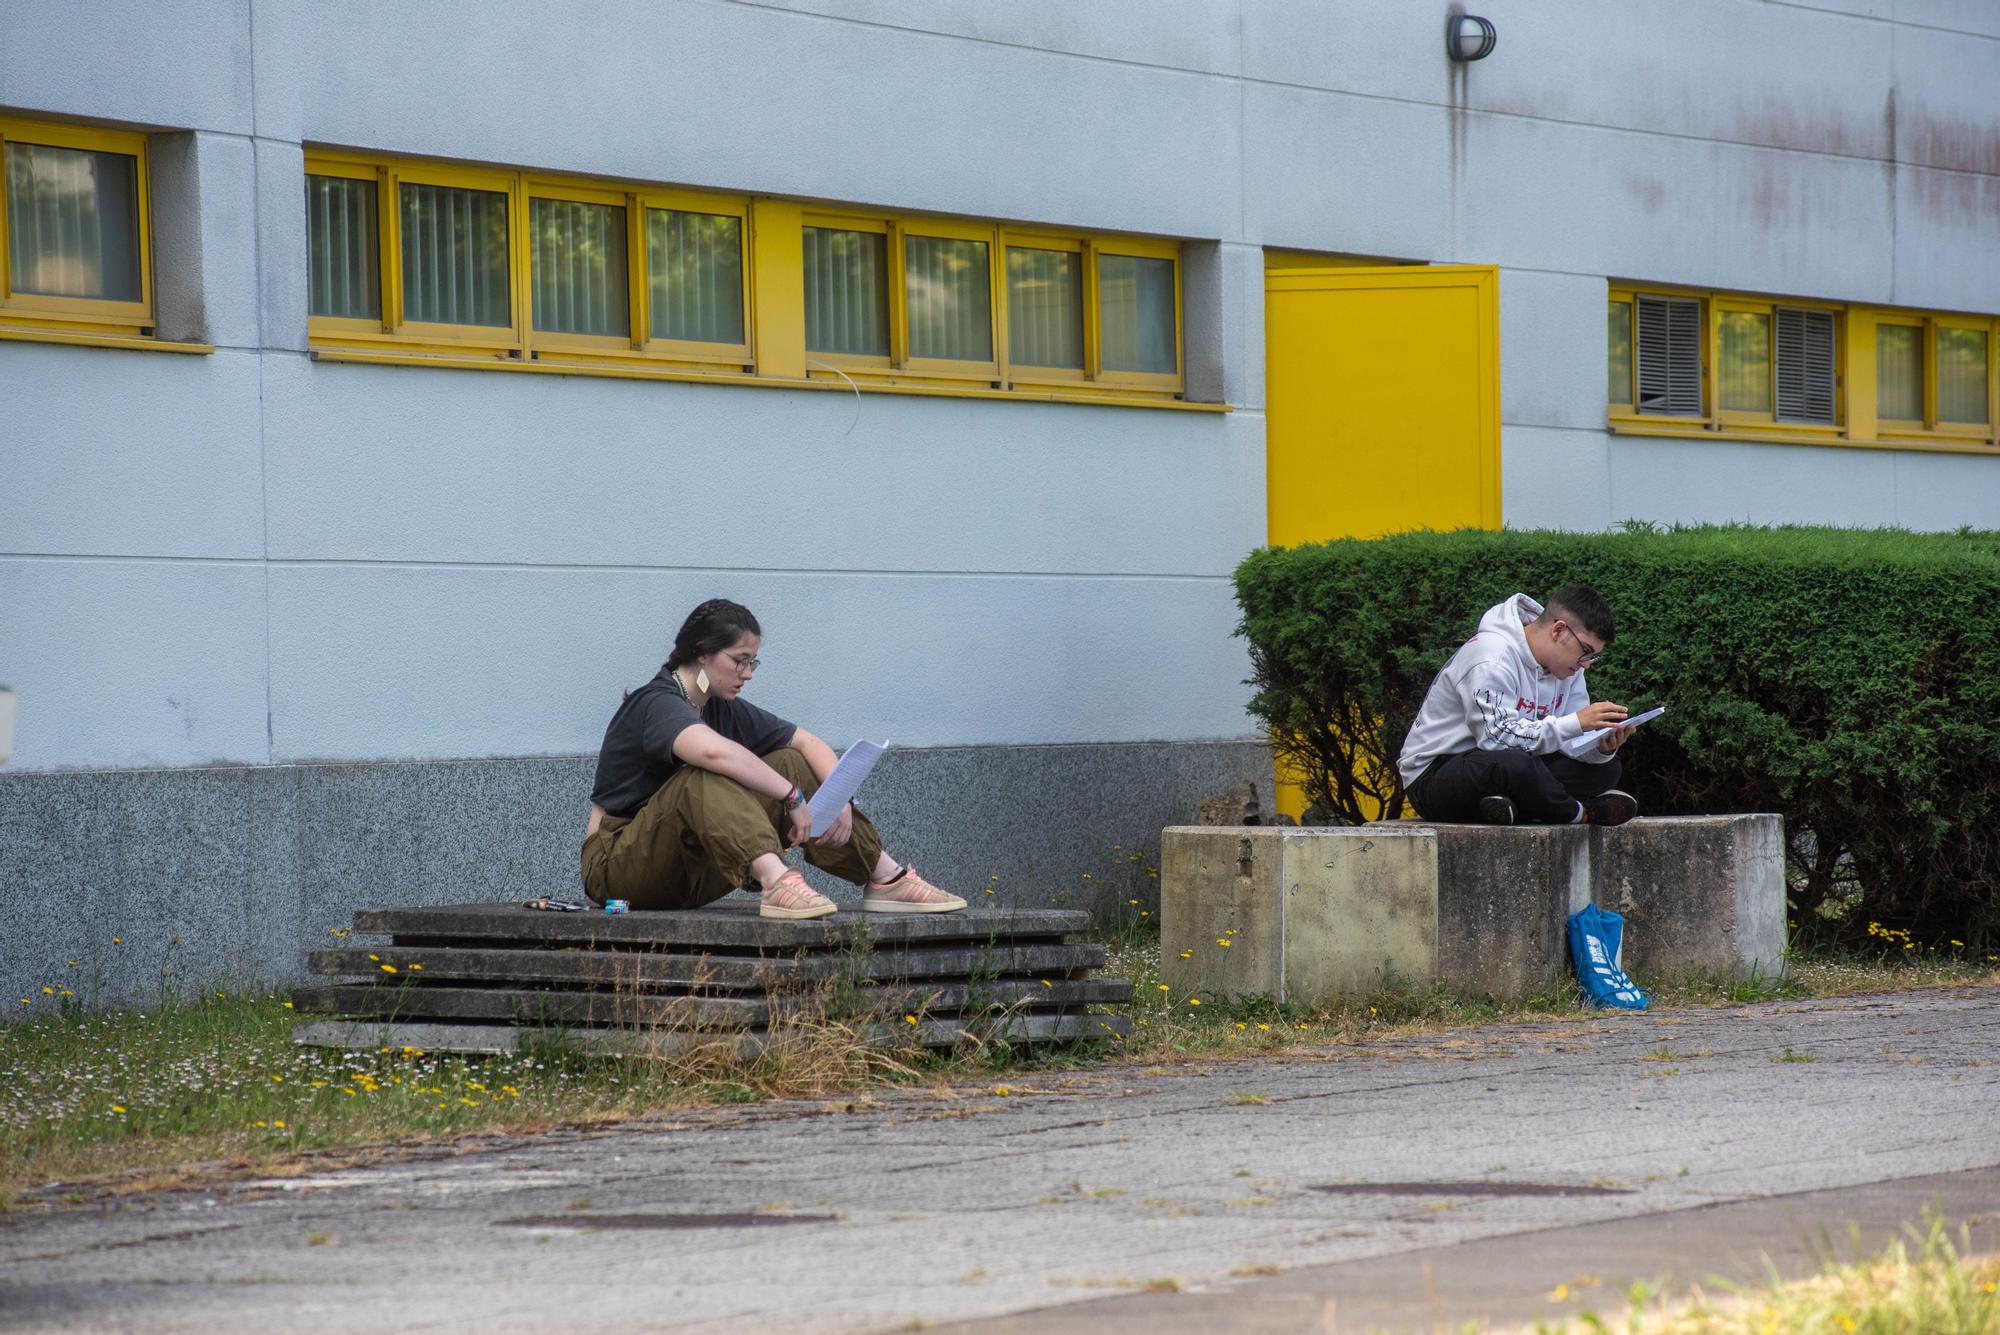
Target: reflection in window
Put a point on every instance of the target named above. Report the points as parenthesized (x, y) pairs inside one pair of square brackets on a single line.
[(455, 256), (73, 222), (694, 263), (343, 251), (847, 292), (1619, 331), (1045, 308), (1746, 362), (1136, 303), (578, 257), (1899, 372), (1961, 373), (948, 282)]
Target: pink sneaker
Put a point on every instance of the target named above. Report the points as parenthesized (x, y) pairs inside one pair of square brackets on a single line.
[(791, 897), (908, 893)]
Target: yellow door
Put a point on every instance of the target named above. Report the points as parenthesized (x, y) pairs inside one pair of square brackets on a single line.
[(1382, 405), (1383, 400)]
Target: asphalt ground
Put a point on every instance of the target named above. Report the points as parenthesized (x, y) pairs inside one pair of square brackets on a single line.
[(1401, 1185)]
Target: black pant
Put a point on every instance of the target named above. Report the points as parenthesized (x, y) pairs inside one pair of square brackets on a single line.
[(1545, 789)]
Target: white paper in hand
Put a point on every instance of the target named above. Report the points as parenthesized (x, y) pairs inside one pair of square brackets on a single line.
[(843, 783), (1578, 746)]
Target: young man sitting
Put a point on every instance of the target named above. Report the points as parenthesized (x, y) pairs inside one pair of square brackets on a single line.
[(1487, 744)]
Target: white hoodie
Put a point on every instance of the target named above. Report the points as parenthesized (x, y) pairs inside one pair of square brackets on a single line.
[(1494, 696)]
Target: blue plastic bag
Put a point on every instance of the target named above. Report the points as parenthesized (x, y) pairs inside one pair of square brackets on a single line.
[(1594, 939)]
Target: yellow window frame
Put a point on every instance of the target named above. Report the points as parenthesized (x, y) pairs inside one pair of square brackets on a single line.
[(1767, 420), (1927, 378), (1149, 249), (1977, 431), (509, 338), (1629, 405), (1629, 414), (1062, 376), (545, 340), (82, 314), (320, 326), (949, 368), (817, 361), (736, 355)]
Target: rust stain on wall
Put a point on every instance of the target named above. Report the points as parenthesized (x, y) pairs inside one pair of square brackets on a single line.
[(1819, 125), (1955, 143)]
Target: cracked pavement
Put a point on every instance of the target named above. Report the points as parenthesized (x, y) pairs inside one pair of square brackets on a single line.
[(1244, 1187)]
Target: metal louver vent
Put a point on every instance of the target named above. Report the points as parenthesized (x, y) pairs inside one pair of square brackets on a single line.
[(1805, 365), (1669, 356)]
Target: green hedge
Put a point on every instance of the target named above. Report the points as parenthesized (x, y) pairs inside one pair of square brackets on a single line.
[(1847, 679)]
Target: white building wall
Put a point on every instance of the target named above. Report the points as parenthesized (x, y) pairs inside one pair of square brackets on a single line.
[(253, 557)]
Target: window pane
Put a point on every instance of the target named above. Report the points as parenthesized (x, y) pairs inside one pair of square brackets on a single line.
[(1619, 335), (579, 267), (455, 256), (346, 279), (1899, 372), (1961, 373), (847, 292), (694, 264), (1045, 308), (1135, 299), (1746, 362), (948, 283), (73, 222)]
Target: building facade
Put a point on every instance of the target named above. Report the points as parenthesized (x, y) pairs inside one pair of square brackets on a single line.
[(380, 384)]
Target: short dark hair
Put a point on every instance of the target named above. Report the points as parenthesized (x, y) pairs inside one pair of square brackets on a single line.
[(711, 628), (1585, 606)]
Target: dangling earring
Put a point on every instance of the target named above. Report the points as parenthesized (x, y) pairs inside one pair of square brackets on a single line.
[(701, 680)]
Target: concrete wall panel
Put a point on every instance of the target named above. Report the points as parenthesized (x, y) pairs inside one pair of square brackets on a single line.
[(397, 662), (1670, 481), (113, 453), (1941, 491), (134, 663), (283, 288), (1190, 35), (1702, 68), (393, 463), (1556, 479), (204, 239), (172, 64), (1947, 235), (1324, 171), (1552, 349), (744, 97), (1674, 210)]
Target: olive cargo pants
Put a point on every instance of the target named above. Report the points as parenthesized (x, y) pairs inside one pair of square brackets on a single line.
[(694, 839)]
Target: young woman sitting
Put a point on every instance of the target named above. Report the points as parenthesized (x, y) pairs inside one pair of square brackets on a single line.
[(699, 791)]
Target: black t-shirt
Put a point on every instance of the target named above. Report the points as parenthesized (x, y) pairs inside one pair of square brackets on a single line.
[(638, 754)]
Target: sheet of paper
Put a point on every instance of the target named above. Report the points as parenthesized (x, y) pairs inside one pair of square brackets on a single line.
[(1577, 746), (843, 783)]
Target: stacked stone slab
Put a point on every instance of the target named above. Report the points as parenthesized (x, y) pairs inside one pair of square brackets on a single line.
[(481, 977), (1313, 914)]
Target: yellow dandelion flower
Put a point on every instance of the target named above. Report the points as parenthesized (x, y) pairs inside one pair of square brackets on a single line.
[(1221, 940), (909, 1019), (416, 968), (260, 1124), (1002, 1090), (279, 1079), (118, 1107), (48, 991), (1194, 1001), (319, 1084), (1145, 913), (1558, 1293), (989, 889), (350, 1091), (1131, 901), (279, 1125), (388, 968), (1265, 1027), (339, 931), (288, 1005), (1163, 987), (117, 940), (1047, 983), (26, 1002), (376, 958), (1187, 954), (1241, 1025)]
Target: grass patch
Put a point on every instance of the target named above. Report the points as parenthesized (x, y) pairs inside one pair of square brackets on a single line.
[(1922, 1283), (89, 1094)]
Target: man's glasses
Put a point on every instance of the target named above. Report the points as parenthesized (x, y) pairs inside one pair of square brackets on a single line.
[(1590, 655)]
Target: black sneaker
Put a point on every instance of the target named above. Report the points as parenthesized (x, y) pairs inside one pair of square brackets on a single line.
[(1496, 810), (1610, 807)]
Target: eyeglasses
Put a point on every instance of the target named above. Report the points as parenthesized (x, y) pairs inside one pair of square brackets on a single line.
[(744, 664), (1590, 655)]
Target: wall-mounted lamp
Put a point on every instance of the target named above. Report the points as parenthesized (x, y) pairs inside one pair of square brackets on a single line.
[(1467, 37)]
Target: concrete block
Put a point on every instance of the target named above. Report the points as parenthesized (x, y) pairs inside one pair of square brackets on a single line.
[(1308, 914), (1314, 915), (1700, 894)]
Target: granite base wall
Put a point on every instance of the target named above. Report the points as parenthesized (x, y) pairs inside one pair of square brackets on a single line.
[(117, 885)]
